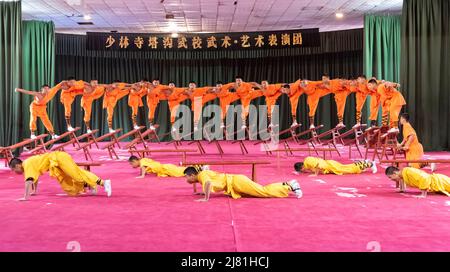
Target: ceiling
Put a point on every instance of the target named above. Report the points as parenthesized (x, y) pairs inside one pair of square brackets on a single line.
[(204, 15)]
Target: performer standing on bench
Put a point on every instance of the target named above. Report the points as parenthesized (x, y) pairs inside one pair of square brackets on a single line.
[(314, 91), (243, 90), (413, 177), (238, 186), (61, 166), (392, 102), (137, 91), (113, 94), (196, 96), (177, 95), (225, 98), (91, 92), (295, 91), (153, 92), (68, 96), (375, 100), (153, 167), (361, 91), (271, 92), (38, 108), (318, 165), (410, 144), (341, 89)]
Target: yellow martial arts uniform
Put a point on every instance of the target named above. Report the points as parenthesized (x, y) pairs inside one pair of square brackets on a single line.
[(61, 166), (162, 170), (238, 186), (434, 183), (334, 167)]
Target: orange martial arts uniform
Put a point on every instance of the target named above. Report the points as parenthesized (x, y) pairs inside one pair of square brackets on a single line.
[(253, 94), (415, 149), (153, 100), (361, 92), (39, 109), (197, 98), (68, 96), (226, 98), (135, 101), (340, 92), (314, 92), (272, 92), (110, 100), (294, 95), (86, 103), (244, 92), (174, 100), (392, 102)]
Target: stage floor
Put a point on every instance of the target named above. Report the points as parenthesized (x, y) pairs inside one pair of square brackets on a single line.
[(337, 213)]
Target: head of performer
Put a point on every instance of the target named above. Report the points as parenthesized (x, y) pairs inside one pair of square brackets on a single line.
[(94, 82), (16, 165), (372, 84), (44, 89), (192, 85), (404, 118), (144, 81), (155, 82), (304, 83), (218, 87), (191, 174), (298, 166), (238, 80), (265, 83), (134, 161), (172, 84), (393, 173), (286, 89), (71, 81), (326, 79), (362, 79)]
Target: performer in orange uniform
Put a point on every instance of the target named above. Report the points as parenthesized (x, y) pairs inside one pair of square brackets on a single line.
[(410, 144), (271, 93), (91, 92), (196, 95), (243, 90), (153, 92), (372, 87), (340, 90), (392, 102), (225, 98), (361, 94), (76, 87), (137, 91), (38, 108), (294, 94), (314, 91), (113, 94)]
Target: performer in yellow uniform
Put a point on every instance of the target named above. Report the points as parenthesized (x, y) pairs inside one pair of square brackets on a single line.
[(61, 166), (238, 186), (151, 166), (318, 165), (413, 177)]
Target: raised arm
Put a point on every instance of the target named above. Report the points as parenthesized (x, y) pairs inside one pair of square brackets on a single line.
[(18, 90)]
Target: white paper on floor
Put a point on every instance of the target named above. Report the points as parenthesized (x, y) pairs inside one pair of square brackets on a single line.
[(447, 203), (352, 192), (320, 180)]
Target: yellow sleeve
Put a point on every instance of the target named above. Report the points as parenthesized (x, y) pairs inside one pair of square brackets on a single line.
[(30, 171)]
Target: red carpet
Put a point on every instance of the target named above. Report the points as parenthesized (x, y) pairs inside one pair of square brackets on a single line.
[(346, 213)]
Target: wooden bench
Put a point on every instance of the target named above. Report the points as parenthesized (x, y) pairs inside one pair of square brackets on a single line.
[(141, 152), (136, 133), (112, 143), (324, 150), (7, 152), (89, 138), (331, 143), (43, 147), (397, 162), (253, 163), (353, 138), (61, 146), (87, 165)]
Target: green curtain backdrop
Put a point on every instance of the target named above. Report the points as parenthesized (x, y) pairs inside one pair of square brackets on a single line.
[(38, 68), (381, 50), (425, 73), (10, 70), (340, 55)]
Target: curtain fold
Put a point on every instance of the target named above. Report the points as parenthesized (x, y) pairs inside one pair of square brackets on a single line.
[(382, 50), (38, 68), (10, 71), (425, 73)]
